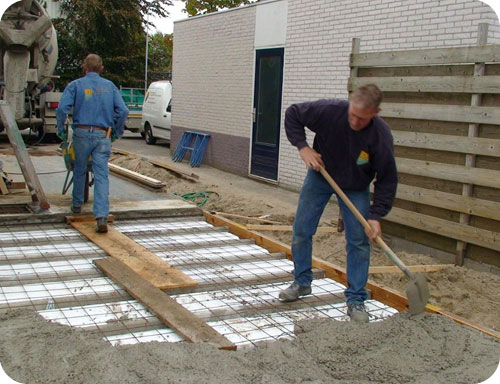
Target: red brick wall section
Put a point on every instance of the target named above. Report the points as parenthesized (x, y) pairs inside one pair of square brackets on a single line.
[(225, 152)]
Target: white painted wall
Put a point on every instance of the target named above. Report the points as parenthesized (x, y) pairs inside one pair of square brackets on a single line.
[(270, 24), (212, 74)]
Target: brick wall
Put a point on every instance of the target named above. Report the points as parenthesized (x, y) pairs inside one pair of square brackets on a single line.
[(214, 62), (229, 153), (213, 77), (319, 35)]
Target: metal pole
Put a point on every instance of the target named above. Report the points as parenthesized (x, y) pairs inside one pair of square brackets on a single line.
[(147, 52)]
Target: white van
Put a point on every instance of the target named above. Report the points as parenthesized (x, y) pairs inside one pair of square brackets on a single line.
[(156, 118)]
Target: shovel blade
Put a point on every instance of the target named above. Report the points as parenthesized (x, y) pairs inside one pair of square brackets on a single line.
[(417, 293)]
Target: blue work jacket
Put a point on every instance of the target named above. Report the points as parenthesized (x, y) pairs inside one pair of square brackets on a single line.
[(96, 102)]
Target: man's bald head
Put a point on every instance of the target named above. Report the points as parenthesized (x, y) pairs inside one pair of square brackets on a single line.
[(93, 63)]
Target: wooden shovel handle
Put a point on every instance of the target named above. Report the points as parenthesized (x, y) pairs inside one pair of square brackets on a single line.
[(381, 243)]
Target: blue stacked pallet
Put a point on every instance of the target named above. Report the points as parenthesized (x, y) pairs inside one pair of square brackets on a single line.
[(197, 149)]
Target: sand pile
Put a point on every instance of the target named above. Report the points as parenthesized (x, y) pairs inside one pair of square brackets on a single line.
[(428, 349)]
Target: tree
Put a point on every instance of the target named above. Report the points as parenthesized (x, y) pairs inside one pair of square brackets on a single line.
[(114, 29), (201, 7), (160, 54)]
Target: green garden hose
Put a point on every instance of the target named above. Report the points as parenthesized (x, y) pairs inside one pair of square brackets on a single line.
[(199, 198)]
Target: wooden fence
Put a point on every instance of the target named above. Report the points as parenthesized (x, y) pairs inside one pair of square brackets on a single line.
[(443, 107)]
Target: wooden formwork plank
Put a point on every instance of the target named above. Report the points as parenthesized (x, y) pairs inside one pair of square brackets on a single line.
[(151, 267), (439, 112), (451, 201), (450, 143), (240, 231), (458, 173), (412, 268), (190, 176), (86, 218), (385, 295), (460, 320), (455, 55), (261, 220), (442, 84), (174, 315), (288, 228), (149, 181)]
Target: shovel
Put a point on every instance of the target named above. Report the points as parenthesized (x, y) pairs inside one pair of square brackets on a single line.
[(417, 290)]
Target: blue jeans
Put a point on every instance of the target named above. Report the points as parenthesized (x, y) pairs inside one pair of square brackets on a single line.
[(92, 143), (314, 195)]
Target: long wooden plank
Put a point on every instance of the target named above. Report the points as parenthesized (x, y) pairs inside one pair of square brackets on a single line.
[(453, 84), (170, 312), (413, 268), (458, 173), (460, 144), (453, 113), (28, 170), (462, 321), (288, 228), (191, 176), (246, 217), (470, 54), (457, 231), (151, 267), (86, 218), (451, 201), (146, 180)]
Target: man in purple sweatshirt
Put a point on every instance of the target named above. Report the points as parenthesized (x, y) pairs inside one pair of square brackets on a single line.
[(355, 146)]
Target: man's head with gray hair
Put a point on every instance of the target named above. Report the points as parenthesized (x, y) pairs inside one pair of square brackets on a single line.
[(368, 95), (364, 105), (92, 63)]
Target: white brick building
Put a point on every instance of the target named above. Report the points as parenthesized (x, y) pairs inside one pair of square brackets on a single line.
[(216, 78)]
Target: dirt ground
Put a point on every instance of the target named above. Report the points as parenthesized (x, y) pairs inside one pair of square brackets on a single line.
[(423, 349)]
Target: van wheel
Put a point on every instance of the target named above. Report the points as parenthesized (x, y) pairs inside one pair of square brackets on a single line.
[(148, 135)]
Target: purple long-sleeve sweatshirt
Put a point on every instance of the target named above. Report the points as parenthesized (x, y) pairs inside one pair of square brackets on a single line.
[(352, 158)]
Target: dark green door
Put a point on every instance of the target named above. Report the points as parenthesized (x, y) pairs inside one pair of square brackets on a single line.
[(267, 113)]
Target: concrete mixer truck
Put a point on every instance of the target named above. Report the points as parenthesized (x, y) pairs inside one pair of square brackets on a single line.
[(28, 51)]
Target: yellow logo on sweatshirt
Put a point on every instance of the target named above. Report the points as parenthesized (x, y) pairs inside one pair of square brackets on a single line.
[(363, 158), (88, 94)]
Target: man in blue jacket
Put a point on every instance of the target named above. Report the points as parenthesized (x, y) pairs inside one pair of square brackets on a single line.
[(97, 108), (355, 146)]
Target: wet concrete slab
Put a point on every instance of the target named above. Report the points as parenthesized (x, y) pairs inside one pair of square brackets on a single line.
[(127, 198)]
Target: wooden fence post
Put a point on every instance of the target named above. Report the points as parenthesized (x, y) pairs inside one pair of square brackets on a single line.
[(470, 159)]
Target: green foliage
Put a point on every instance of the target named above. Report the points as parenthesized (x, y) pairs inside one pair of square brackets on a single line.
[(160, 52), (114, 29), (201, 7)]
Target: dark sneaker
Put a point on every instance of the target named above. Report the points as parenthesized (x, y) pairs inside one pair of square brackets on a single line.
[(102, 225), (76, 209), (294, 291), (357, 312)]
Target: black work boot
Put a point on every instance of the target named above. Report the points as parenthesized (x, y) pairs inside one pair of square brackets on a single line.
[(294, 291), (357, 312), (102, 225), (76, 209)]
